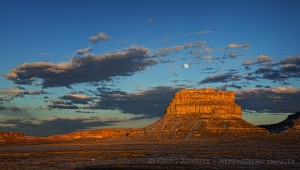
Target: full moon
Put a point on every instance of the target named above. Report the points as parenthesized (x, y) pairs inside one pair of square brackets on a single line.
[(186, 65)]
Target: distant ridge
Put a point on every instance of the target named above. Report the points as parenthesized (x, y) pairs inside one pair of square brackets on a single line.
[(290, 125), (11, 136)]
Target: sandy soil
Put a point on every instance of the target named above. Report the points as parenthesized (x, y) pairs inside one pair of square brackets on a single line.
[(274, 152)]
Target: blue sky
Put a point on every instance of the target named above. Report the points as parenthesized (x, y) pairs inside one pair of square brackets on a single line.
[(71, 65)]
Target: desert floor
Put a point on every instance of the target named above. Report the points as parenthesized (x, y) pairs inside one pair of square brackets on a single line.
[(273, 152)]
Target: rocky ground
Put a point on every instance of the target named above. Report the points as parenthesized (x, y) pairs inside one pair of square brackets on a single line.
[(267, 152)]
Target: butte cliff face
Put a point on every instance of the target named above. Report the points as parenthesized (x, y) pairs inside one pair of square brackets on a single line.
[(206, 103), (191, 114), (203, 112)]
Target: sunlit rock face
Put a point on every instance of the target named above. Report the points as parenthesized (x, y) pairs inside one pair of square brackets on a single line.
[(110, 133), (295, 119), (206, 103), (11, 136)]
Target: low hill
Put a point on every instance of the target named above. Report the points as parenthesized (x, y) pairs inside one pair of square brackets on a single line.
[(11, 137), (290, 125)]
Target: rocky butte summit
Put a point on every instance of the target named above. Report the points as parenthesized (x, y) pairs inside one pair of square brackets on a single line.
[(192, 113)]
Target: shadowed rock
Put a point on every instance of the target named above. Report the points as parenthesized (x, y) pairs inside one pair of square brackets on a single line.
[(291, 125)]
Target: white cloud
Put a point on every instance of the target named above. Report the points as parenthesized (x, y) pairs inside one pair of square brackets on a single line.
[(11, 92), (280, 89), (150, 21), (208, 50), (83, 51), (202, 32), (79, 96), (177, 48), (264, 58), (235, 46), (101, 36), (249, 62), (260, 59), (207, 57)]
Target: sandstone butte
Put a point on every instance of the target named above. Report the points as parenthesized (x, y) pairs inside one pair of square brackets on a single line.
[(192, 114)]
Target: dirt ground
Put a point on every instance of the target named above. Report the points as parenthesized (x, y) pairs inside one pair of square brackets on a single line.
[(273, 152)]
